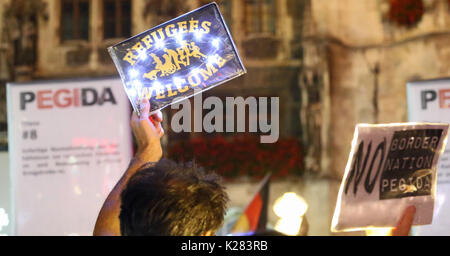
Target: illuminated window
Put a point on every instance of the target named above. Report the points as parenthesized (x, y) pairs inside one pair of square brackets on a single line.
[(74, 20), (259, 16), (116, 18)]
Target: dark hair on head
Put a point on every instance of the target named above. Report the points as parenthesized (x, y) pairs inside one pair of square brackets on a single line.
[(172, 199)]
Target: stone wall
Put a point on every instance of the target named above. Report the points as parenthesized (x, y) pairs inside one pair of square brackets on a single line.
[(370, 61)]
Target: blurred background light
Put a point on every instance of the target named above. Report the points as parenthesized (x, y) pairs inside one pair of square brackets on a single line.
[(379, 232), (290, 205), (289, 226)]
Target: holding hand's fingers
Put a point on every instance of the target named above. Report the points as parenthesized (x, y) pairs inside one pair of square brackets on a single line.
[(156, 119), (144, 108), (148, 132), (134, 119), (160, 131)]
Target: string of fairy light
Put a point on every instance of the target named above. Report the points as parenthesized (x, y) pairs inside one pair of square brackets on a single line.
[(198, 36)]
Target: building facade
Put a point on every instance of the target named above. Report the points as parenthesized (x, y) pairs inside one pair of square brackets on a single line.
[(358, 57)]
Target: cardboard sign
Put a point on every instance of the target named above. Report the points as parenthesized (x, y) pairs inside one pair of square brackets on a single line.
[(167, 63), (391, 166), (69, 143), (429, 101)]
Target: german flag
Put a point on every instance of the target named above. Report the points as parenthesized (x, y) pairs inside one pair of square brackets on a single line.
[(254, 218)]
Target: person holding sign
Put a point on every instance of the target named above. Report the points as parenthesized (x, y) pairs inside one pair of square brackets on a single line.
[(157, 196), (391, 167), (172, 61)]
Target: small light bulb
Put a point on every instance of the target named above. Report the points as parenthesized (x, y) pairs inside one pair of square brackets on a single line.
[(157, 85), (195, 71), (133, 73), (198, 34), (212, 59), (137, 84), (179, 38), (177, 81), (215, 43), (159, 44), (142, 55)]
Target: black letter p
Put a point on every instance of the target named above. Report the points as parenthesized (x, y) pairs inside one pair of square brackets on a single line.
[(26, 97), (427, 96)]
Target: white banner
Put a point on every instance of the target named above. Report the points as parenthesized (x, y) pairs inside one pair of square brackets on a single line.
[(69, 142), (429, 101)]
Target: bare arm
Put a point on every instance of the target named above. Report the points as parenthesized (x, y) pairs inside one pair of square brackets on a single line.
[(148, 135)]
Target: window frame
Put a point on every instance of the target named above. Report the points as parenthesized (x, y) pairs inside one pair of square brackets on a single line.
[(76, 20), (258, 17), (118, 29)]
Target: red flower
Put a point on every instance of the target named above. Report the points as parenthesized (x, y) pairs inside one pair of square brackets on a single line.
[(241, 155)]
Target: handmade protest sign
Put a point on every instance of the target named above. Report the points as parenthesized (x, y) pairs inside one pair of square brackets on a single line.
[(166, 64), (391, 166)]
